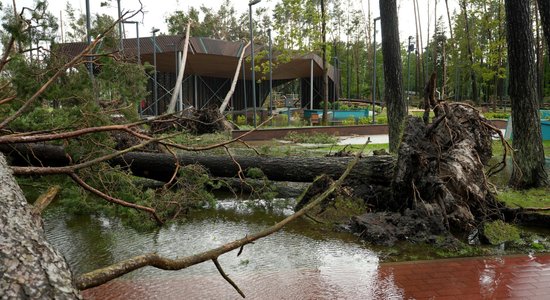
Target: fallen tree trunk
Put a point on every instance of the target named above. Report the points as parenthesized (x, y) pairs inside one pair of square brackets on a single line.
[(160, 166), (30, 268), (376, 170)]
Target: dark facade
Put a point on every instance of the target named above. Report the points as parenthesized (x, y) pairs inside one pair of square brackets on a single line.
[(209, 70)]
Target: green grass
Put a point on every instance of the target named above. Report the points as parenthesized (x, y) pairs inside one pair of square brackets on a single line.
[(528, 198), (498, 149), (316, 138)]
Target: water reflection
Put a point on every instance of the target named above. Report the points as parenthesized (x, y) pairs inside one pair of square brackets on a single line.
[(295, 263)]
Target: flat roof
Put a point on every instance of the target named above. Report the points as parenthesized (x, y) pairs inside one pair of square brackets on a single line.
[(205, 57)]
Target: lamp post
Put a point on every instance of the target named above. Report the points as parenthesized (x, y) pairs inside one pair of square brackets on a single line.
[(374, 72), (137, 38), (155, 94), (120, 26), (89, 36), (410, 47), (250, 4)]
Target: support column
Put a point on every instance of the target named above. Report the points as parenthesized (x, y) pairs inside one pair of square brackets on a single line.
[(311, 85)]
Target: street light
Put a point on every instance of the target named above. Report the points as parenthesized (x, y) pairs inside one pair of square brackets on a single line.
[(374, 73), (137, 37), (250, 4), (410, 48), (155, 95), (89, 37)]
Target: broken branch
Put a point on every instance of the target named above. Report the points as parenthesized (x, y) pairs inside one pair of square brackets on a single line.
[(103, 275)]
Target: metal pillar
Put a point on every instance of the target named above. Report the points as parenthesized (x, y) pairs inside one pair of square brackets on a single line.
[(410, 47), (245, 101), (155, 92), (195, 94), (270, 73), (374, 74), (311, 84), (252, 55), (89, 37)]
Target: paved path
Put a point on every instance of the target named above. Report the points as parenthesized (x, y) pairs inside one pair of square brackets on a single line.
[(506, 277), (375, 139)]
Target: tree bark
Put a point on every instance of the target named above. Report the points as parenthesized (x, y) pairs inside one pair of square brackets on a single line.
[(30, 268), (473, 75), (393, 79), (529, 171), (161, 166), (544, 10)]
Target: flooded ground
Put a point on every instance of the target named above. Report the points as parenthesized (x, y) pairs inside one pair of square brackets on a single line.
[(291, 264), (297, 263)]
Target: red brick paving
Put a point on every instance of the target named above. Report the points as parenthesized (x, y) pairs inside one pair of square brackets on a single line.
[(504, 277)]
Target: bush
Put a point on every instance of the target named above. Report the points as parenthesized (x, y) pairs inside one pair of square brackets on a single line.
[(496, 115), (363, 121), (349, 121), (241, 120), (281, 119), (344, 107), (382, 120)]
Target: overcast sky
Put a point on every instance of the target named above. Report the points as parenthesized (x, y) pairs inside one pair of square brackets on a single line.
[(157, 10)]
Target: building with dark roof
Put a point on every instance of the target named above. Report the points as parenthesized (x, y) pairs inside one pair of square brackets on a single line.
[(210, 68)]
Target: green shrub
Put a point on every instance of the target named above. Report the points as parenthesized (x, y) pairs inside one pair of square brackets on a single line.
[(364, 121), (382, 120), (281, 119), (229, 117), (344, 107), (349, 121), (496, 115), (241, 120)]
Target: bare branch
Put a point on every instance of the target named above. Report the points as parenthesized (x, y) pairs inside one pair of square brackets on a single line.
[(7, 50), (111, 199), (116, 270), (6, 100), (45, 199), (231, 282)]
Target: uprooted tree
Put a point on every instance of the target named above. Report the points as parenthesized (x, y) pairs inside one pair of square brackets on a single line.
[(437, 184), (59, 107)]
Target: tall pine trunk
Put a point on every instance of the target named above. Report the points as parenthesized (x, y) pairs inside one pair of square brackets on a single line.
[(544, 10), (391, 50), (30, 268), (473, 75), (529, 171)]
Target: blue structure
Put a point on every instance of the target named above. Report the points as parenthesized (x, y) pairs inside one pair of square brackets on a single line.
[(544, 124), (338, 114)]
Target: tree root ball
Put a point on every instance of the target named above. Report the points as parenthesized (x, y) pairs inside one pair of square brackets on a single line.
[(439, 184)]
